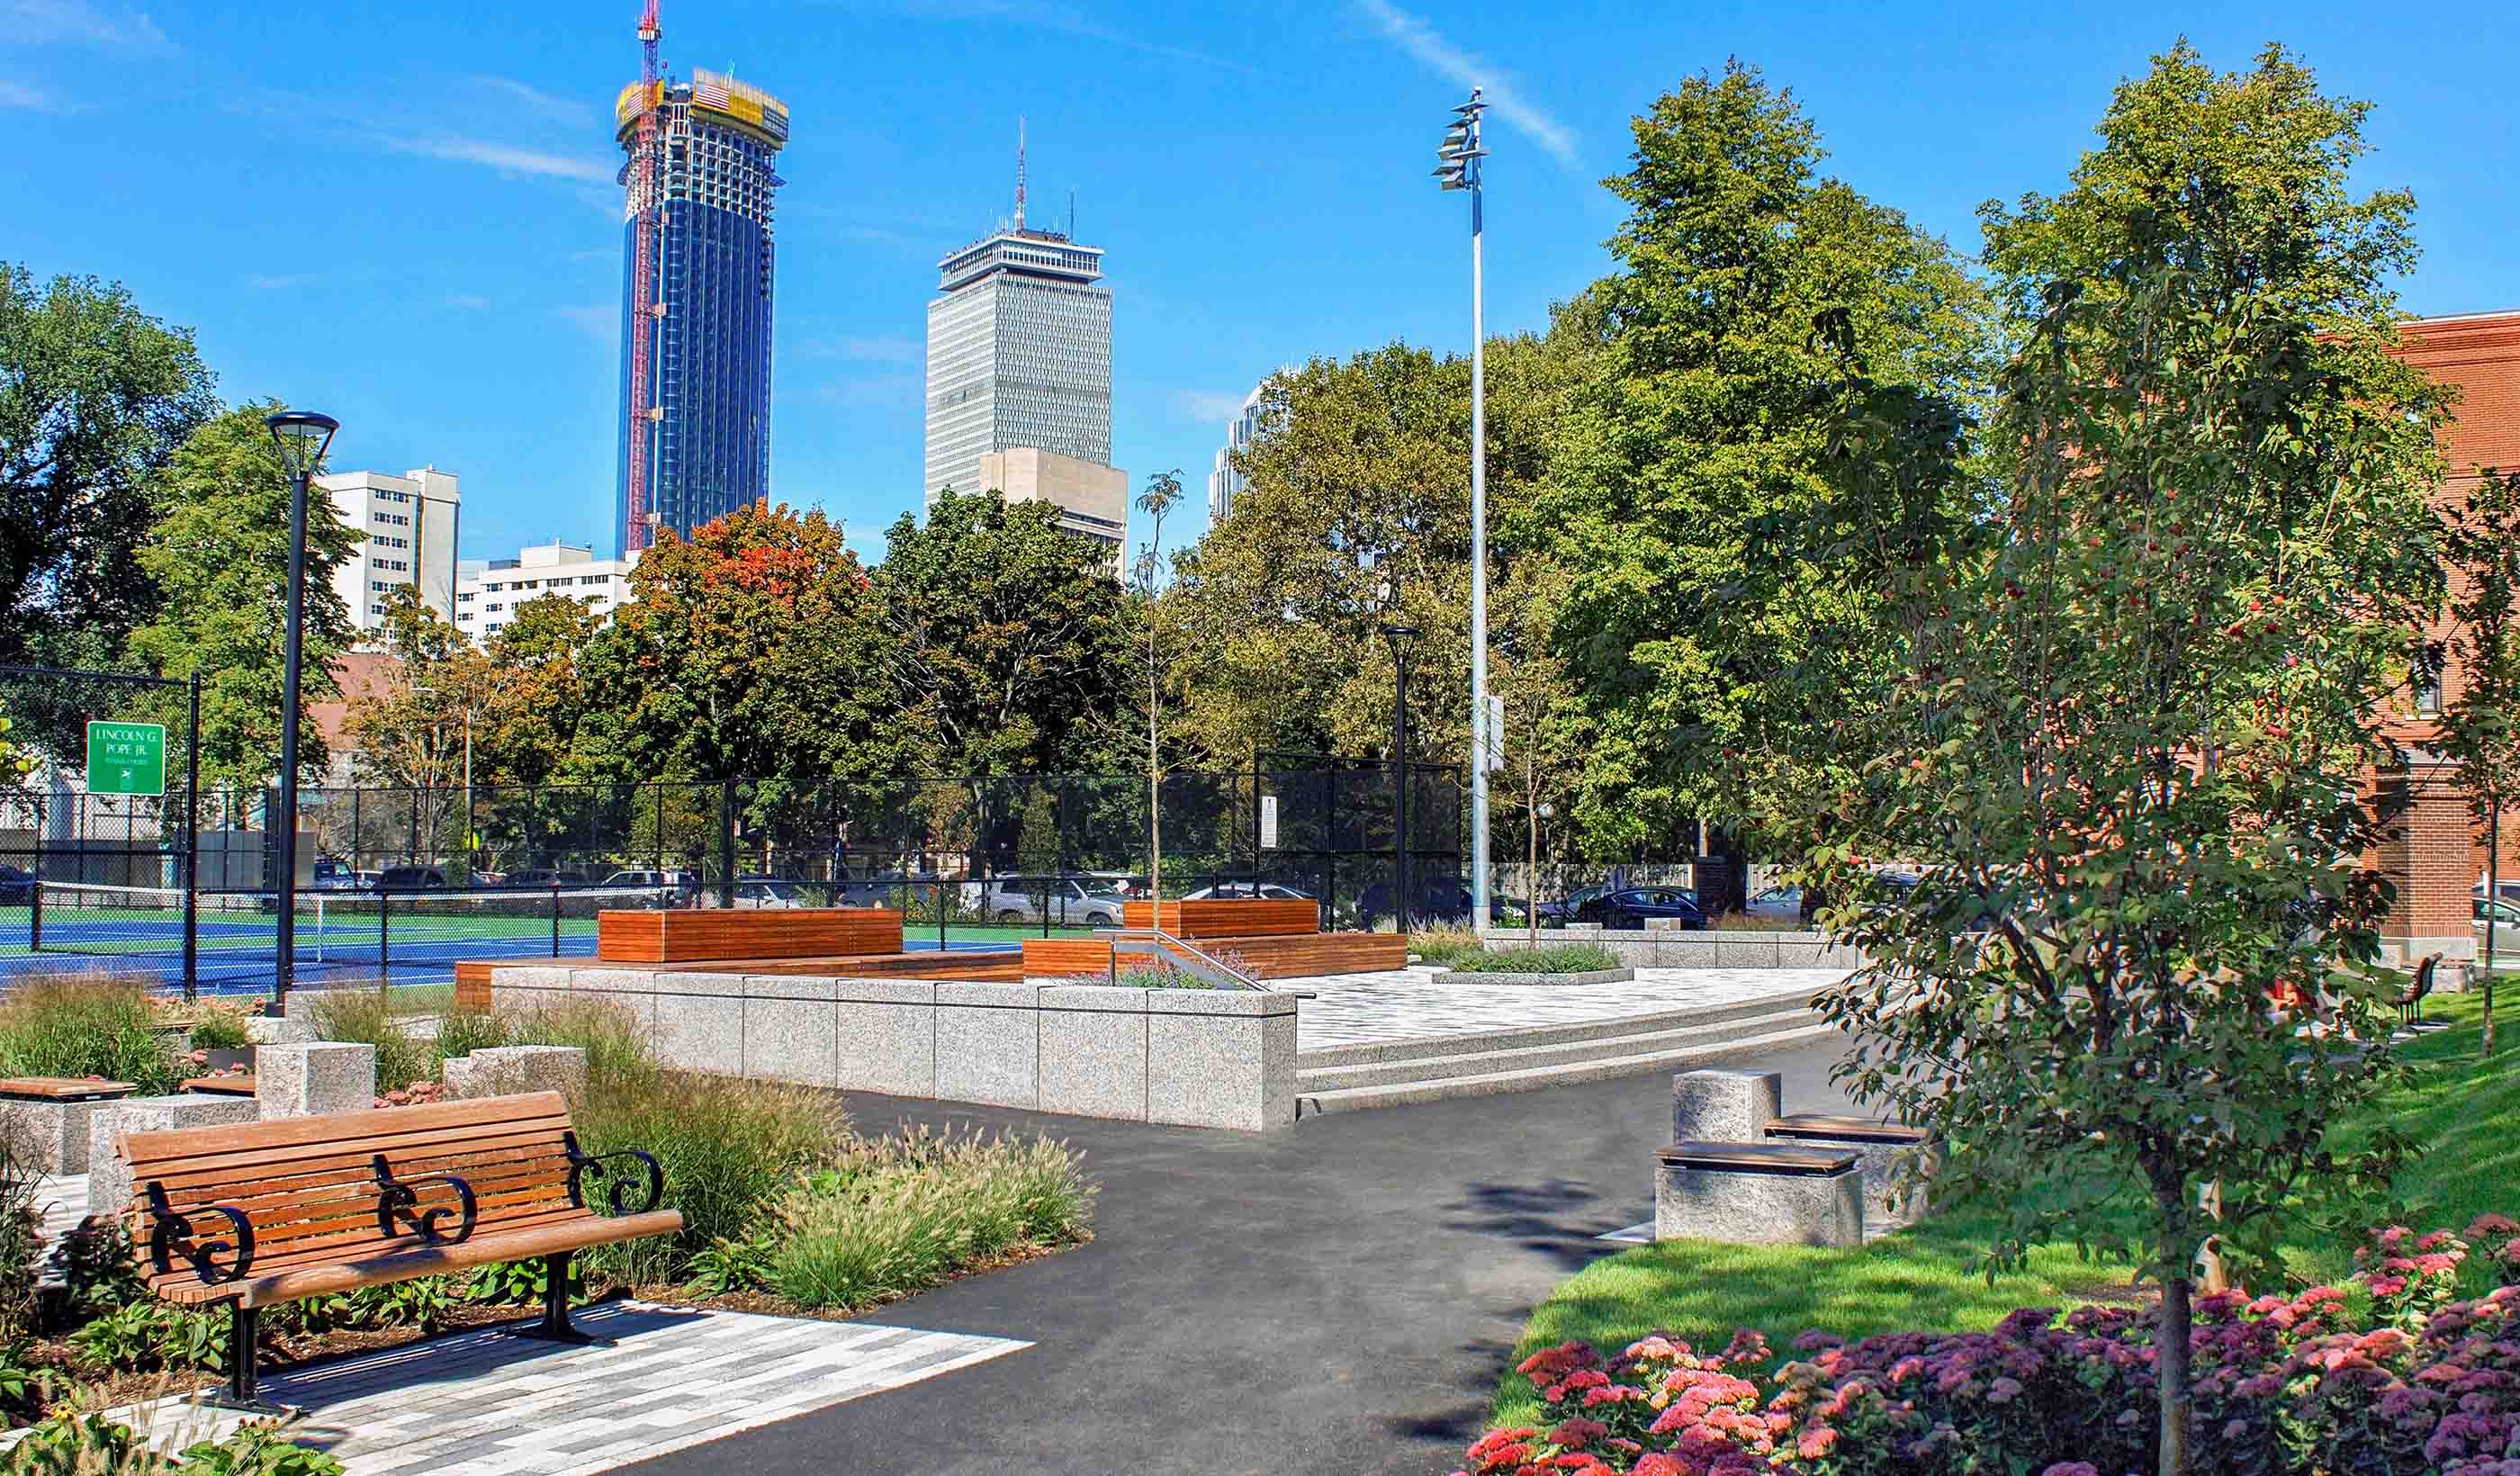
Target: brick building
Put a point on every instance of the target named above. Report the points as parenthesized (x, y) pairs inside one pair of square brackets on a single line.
[(2440, 855)]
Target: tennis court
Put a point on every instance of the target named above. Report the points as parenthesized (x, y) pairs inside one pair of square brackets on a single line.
[(408, 937)]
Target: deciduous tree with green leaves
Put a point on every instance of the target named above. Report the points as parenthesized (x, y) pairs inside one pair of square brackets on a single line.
[(2480, 720), (95, 397), (2139, 710), (1700, 441), (218, 553)]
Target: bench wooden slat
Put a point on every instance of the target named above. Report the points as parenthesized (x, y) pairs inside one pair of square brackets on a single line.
[(1827, 1124), (60, 1088), (317, 1160), (1756, 1157), (484, 1248)]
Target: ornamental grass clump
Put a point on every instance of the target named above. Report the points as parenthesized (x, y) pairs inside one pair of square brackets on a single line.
[(86, 1024), (901, 1214), (1443, 944), (1567, 959), (2389, 1373), (363, 1016)]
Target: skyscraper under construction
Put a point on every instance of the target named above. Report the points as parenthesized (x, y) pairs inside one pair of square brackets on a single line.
[(698, 265)]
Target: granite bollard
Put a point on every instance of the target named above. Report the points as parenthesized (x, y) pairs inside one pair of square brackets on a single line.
[(1722, 1106), (108, 1178), (506, 1070), (315, 1078)]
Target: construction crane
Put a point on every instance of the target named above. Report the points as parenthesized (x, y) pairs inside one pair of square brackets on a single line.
[(647, 207)]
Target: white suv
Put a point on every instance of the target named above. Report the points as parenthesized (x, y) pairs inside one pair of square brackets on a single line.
[(1019, 898)]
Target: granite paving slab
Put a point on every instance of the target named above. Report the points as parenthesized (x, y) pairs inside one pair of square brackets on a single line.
[(1404, 1005)]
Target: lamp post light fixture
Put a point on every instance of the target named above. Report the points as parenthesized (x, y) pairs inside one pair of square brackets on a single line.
[(303, 437), (1400, 635), (1460, 167)]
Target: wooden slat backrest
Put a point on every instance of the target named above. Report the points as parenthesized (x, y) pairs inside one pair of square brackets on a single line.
[(308, 1183), (1228, 916), (675, 936)]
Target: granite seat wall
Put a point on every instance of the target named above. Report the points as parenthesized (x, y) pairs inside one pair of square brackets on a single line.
[(1674, 949), (1196, 1057)]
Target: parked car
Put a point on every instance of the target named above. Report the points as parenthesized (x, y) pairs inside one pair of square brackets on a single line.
[(899, 889), (333, 874), (1631, 908), (547, 876), (2506, 916), (1776, 903), (768, 892), (1068, 898), (17, 887), (410, 878), (1504, 910), (1268, 891)]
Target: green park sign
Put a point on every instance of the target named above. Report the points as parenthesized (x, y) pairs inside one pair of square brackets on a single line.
[(126, 758)]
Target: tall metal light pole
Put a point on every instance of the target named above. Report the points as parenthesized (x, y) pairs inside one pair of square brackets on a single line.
[(303, 437), (1460, 157), (1401, 896)]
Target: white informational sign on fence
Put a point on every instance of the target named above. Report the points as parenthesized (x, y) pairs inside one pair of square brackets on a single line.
[(1268, 822)]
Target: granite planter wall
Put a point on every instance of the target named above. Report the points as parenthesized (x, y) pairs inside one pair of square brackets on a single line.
[(1198, 1057), (1713, 948)]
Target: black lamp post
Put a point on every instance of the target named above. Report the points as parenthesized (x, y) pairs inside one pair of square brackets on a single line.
[(1400, 636), (303, 437)]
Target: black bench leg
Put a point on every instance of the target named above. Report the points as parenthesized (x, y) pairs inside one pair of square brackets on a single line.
[(243, 1393), (555, 1325)]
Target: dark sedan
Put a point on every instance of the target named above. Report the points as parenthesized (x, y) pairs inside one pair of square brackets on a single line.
[(17, 887), (1631, 908)]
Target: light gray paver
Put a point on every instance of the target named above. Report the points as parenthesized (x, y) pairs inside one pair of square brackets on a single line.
[(484, 1404)]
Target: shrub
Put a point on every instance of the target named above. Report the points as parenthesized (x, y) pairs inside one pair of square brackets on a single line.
[(2284, 1387), (73, 1024), (364, 1017), (905, 1213), (81, 1441), (729, 1148), (1567, 959), (1443, 944), (144, 1335), (220, 1026), (620, 1048)]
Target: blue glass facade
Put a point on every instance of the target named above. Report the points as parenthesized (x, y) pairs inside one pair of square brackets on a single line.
[(711, 346)]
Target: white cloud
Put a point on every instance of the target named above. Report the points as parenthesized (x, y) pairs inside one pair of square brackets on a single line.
[(470, 301), (20, 95), (34, 22), (1213, 406), (273, 284), (1421, 40), (504, 158), (566, 110)]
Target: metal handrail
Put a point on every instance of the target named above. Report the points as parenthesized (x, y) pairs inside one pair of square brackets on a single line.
[(1198, 962)]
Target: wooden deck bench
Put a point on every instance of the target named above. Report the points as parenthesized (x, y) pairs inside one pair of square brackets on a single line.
[(271, 1212), (1876, 1146), (1757, 1193)]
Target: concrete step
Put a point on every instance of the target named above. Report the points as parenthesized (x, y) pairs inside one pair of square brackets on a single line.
[(1707, 1053), (1552, 1035), (1435, 1060)]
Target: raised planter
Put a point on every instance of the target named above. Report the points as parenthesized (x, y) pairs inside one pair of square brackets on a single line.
[(1707, 948), (1197, 1058), (1587, 976)]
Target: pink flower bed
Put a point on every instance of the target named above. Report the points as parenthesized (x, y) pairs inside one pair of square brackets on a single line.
[(2419, 1383)]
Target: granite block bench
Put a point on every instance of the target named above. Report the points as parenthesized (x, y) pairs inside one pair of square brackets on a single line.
[(47, 1117), (1758, 1194), (1878, 1147)]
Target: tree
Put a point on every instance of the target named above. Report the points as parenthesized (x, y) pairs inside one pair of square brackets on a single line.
[(746, 652), (2135, 724), (1163, 492), (2479, 722), (1702, 437), (1003, 634), (218, 555), (95, 397)]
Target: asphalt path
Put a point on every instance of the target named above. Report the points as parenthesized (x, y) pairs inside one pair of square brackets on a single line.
[(1336, 1297)]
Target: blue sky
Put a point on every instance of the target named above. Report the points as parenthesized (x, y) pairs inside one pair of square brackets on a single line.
[(404, 214)]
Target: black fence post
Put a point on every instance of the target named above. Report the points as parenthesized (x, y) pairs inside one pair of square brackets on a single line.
[(384, 938), (726, 842), (554, 916), (193, 838)]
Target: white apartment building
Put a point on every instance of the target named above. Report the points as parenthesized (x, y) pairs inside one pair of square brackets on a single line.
[(409, 525), (491, 591), (1092, 499)]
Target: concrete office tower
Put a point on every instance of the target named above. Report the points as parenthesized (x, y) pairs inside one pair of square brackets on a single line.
[(1224, 483), (1019, 354), (706, 380), (1092, 499), (490, 591), (408, 525)]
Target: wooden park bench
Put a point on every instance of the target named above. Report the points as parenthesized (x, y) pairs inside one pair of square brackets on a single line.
[(1877, 1146), (264, 1213)]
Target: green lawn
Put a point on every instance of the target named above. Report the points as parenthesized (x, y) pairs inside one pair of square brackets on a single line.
[(2466, 1117)]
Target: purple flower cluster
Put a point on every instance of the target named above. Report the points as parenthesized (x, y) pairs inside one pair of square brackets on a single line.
[(2424, 1384)]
